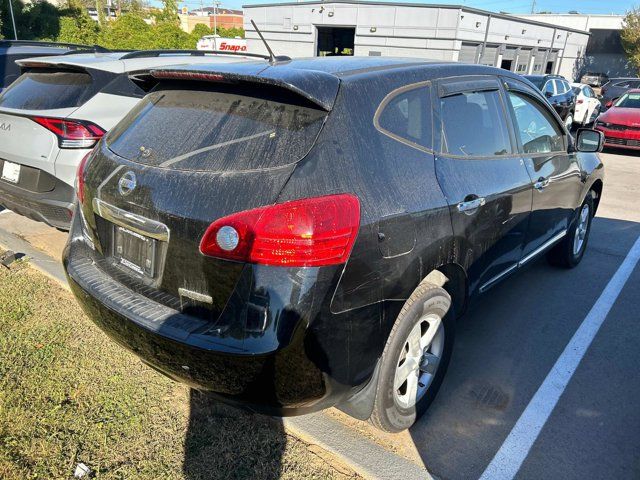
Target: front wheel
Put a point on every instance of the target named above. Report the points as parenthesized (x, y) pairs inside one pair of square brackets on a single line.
[(568, 122), (569, 252), (415, 359)]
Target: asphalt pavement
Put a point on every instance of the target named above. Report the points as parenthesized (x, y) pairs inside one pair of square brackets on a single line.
[(507, 345)]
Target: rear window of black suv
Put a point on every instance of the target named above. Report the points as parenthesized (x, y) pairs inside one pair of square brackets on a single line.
[(45, 90), (221, 129)]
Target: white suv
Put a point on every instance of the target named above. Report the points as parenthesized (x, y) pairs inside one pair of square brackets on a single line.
[(56, 112)]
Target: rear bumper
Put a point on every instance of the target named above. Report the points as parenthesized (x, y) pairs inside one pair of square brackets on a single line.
[(53, 207), (286, 380)]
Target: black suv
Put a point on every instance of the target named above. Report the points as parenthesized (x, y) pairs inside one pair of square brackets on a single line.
[(615, 88), (12, 50), (559, 93), (303, 234)]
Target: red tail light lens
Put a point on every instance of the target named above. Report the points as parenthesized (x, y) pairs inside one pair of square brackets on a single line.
[(72, 133), (311, 232), (580, 101), (80, 177)]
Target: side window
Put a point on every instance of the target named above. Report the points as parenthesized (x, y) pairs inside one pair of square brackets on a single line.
[(625, 84), (473, 124), (559, 87), (548, 88), (538, 131), (634, 84), (405, 115)]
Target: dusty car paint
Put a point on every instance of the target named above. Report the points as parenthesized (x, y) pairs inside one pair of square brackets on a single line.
[(294, 340)]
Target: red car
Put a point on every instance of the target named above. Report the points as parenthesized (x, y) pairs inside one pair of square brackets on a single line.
[(621, 123)]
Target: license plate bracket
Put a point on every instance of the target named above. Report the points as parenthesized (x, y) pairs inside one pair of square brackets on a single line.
[(10, 172), (134, 251)]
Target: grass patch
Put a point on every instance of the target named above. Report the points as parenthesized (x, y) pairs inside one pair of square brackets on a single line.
[(69, 395)]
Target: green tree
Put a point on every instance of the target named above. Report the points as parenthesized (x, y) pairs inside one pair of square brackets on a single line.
[(168, 35), (631, 36), (127, 32), (169, 13), (199, 31)]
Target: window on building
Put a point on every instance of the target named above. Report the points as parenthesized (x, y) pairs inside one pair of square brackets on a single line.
[(474, 125)]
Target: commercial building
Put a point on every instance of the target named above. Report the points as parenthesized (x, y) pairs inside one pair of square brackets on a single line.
[(440, 32), (604, 52), (210, 16)]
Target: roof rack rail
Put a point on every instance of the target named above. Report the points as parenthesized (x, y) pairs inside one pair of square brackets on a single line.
[(39, 43), (195, 53)]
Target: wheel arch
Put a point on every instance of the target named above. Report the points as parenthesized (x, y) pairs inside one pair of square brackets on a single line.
[(596, 189)]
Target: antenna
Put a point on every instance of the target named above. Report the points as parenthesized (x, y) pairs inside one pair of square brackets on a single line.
[(273, 59)]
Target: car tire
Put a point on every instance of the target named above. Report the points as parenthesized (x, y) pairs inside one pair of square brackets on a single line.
[(568, 121), (428, 313), (569, 252)]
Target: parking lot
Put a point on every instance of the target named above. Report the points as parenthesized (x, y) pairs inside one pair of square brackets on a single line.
[(507, 345)]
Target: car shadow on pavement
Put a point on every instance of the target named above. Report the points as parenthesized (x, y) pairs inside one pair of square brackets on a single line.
[(505, 346), (224, 442)]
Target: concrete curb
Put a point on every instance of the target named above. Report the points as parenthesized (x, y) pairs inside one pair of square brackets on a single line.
[(363, 456)]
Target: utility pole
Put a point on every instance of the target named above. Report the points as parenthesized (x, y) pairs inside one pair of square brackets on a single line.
[(533, 6), (13, 21), (216, 4)]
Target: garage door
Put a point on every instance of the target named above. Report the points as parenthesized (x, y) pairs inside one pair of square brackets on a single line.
[(468, 53), (489, 56)]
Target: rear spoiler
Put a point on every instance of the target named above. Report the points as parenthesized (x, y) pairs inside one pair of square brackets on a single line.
[(319, 88)]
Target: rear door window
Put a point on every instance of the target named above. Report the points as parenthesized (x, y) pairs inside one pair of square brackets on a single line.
[(405, 115), (42, 90), (474, 125), (549, 89), (217, 130)]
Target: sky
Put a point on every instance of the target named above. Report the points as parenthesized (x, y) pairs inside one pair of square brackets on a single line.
[(510, 6)]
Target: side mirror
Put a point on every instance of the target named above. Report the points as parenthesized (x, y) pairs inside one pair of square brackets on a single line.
[(548, 94), (590, 141)]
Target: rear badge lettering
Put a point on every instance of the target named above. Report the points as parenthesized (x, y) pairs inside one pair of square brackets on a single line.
[(5, 126), (127, 183)]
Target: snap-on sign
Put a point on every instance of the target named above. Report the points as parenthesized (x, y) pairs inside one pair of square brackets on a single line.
[(233, 48)]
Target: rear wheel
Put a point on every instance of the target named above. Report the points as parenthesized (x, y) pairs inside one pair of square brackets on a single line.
[(569, 252), (415, 359)]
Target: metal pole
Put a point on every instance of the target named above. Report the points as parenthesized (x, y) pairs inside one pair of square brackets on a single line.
[(13, 21), (215, 20)]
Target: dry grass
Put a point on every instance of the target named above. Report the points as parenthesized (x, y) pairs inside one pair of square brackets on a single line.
[(69, 395)]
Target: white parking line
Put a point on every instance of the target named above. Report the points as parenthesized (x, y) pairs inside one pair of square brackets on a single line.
[(514, 450)]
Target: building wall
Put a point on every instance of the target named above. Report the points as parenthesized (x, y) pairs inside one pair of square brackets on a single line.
[(188, 22), (604, 52), (427, 31)]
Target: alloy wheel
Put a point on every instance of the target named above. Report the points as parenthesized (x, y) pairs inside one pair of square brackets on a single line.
[(419, 360), (581, 230)]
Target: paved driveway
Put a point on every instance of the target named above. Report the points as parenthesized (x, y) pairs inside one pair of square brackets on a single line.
[(508, 343)]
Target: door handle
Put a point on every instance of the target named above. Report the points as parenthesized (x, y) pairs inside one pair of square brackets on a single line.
[(541, 184), (470, 207)]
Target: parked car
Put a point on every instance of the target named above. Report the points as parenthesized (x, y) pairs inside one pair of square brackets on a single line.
[(621, 123), (56, 112), (12, 50), (614, 89), (559, 93), (303, 234), (587, 104), (594, 79)]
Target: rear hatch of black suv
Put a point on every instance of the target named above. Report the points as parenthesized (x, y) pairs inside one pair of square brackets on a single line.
[(189, 153)]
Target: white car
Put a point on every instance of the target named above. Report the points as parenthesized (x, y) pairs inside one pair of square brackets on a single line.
[(587, 104), (56, 112)]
